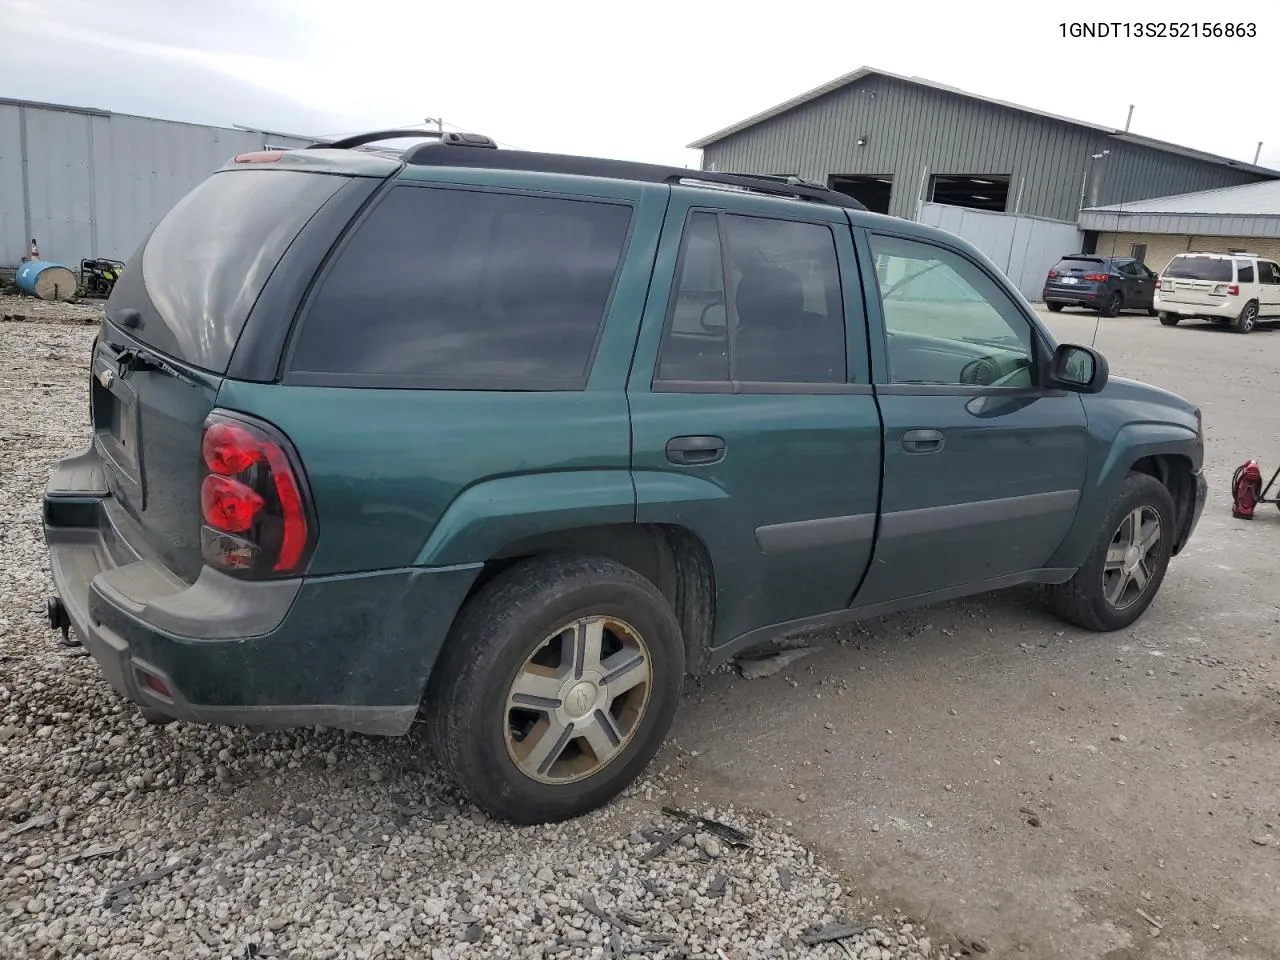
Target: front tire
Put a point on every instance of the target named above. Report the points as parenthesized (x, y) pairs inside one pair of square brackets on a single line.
[(1123, 573), (1112, 309), (556, 687), (1248, 318)]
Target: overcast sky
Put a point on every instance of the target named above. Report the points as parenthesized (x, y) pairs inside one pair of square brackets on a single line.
[(627, 80)]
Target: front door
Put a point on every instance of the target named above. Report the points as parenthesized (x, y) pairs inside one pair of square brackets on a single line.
[(753, 420), (1268, 289), (983, 468), (1140, 285)]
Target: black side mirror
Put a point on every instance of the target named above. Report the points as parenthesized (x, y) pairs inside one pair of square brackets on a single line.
[(1078, 369)]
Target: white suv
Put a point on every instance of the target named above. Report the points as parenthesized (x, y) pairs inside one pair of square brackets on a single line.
[(1235, 288)]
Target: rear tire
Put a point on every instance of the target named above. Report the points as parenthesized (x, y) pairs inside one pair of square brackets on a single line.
[(1248, 318), (1152, 312), (515, 681), (1169, 319), (1115, 585), (1114, 305), (1054, 307)]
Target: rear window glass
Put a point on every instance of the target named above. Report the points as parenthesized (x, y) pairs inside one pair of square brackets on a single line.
[(467, 290), (1078, 264), (205, 264), (1199, 268)]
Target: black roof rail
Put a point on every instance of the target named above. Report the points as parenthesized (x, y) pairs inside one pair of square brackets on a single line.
[(431, 154), (450, 138)]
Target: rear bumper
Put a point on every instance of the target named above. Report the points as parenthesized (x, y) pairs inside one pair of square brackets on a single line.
[(1183, 308), (352, 652), (1070, 295)]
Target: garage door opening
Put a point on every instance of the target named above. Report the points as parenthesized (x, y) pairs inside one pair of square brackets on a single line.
[(872, 191), (984, 192)]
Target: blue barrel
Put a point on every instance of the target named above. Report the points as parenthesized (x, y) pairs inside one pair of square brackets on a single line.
[(48, 281)]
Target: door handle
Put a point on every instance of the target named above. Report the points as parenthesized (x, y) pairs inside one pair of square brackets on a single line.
[(923, 441), (689, 451)]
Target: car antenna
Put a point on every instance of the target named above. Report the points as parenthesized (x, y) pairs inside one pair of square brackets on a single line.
[(1097, 322)]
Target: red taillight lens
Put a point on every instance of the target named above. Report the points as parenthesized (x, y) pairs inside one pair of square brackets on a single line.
[(252, 499), (229, 505), (1096, 277), (1233, 290), (1052, 274), (1158, 283), (230, 449)]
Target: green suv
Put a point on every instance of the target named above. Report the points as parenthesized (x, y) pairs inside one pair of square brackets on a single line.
[(512, 442)]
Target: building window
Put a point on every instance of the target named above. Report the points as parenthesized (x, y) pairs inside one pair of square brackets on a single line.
[(872, 191), (976, 191), (1138, 251)]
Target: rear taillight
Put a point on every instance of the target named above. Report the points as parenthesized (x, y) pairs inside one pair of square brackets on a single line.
[(1052, 274), (1158, 281), (254, 506), (1096, 277), (1233, 290)]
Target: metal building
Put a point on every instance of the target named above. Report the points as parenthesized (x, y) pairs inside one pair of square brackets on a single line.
[(89, 183), (899, 142)]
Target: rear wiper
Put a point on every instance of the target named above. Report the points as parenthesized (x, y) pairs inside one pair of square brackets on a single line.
[(139, 358)]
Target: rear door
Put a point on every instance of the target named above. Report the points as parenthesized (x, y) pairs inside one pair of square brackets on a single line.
[(753, 419), (172, 323), (1139, 289)]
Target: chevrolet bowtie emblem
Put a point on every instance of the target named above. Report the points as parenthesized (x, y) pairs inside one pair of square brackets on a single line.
[(106, 378)]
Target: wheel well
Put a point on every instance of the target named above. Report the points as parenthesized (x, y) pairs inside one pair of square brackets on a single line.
[(670, 557), (1176, 474)]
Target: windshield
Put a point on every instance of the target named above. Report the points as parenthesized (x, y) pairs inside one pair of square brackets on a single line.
[(1199, 268), (205, 264)]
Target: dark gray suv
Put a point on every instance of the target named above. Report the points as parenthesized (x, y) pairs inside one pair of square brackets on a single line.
[(1106, 284)]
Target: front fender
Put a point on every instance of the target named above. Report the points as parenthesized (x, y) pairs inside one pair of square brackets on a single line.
[(1131, 443), (489, 515)]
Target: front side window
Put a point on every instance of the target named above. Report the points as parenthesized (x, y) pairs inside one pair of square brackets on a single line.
[(946, 321), (1268, 272), (467, 289), (781, 319)]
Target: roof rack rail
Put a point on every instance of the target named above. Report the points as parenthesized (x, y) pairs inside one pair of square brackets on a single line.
[(431, 154), (450, 137)]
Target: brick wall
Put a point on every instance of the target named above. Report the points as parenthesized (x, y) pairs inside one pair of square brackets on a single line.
[(1163, 247)]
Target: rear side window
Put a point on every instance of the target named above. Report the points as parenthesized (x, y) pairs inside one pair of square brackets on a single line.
[(1199, 268), (205, 264), (462, 289), (1244, 271)]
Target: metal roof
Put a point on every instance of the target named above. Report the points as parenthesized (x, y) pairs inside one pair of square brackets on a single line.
[(864, 72), (1252, 210)]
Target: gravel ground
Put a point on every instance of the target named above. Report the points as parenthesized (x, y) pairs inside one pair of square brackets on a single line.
[(119, 839)]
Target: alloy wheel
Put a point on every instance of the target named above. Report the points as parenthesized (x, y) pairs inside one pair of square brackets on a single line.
[(578, 700), (1131, 557)]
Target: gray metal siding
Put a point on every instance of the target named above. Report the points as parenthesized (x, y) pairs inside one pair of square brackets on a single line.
[(98, 183), (912, 129)]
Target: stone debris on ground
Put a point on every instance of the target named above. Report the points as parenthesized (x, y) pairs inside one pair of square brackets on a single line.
[(129, 840), (19, 308)]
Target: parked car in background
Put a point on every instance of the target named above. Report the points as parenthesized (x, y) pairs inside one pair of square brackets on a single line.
[(1239, 289), (512, 442), (1106, 284)]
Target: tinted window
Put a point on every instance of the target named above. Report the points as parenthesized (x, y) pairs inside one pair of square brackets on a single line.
[(1199, 268), (785, 288), (1129, 269), (1268, 272), (1244, 272), (466, 289), (1079, 265), (946, 321), (205, 264), (785, 304), (696, 346)]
